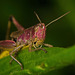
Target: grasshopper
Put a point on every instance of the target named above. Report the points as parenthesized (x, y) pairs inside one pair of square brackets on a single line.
[(31, 37)]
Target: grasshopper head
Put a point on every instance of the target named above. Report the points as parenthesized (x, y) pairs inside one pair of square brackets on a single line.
[(40, 31)]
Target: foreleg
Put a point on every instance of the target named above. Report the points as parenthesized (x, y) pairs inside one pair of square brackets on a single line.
[(39, 49), (42, 48), (48, 45)]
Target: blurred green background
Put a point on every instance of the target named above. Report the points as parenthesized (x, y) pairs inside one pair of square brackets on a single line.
[(59, 34)]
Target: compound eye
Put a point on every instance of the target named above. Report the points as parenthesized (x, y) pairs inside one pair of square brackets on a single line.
[(41, 26)]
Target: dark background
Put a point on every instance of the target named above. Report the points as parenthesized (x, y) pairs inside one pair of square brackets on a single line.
[(59, 34)]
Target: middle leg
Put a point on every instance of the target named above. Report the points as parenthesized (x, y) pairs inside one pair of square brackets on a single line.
[(16, 50)]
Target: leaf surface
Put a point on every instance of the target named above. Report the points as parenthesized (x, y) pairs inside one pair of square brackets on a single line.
[(38, 62)]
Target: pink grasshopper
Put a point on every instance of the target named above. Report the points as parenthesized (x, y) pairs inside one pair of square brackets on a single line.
[(33, 36)]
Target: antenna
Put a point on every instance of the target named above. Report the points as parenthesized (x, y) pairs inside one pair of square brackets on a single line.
[(37, 16), (57, 19)]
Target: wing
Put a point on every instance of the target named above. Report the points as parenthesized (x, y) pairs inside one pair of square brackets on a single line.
[(7, 44)]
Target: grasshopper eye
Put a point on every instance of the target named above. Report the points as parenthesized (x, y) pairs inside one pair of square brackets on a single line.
[(40, 25)]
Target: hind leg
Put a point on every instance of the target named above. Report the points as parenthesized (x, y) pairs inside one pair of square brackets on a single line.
[(18, 26)]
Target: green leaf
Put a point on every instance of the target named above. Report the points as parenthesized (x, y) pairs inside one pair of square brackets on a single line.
[(38, 62)]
